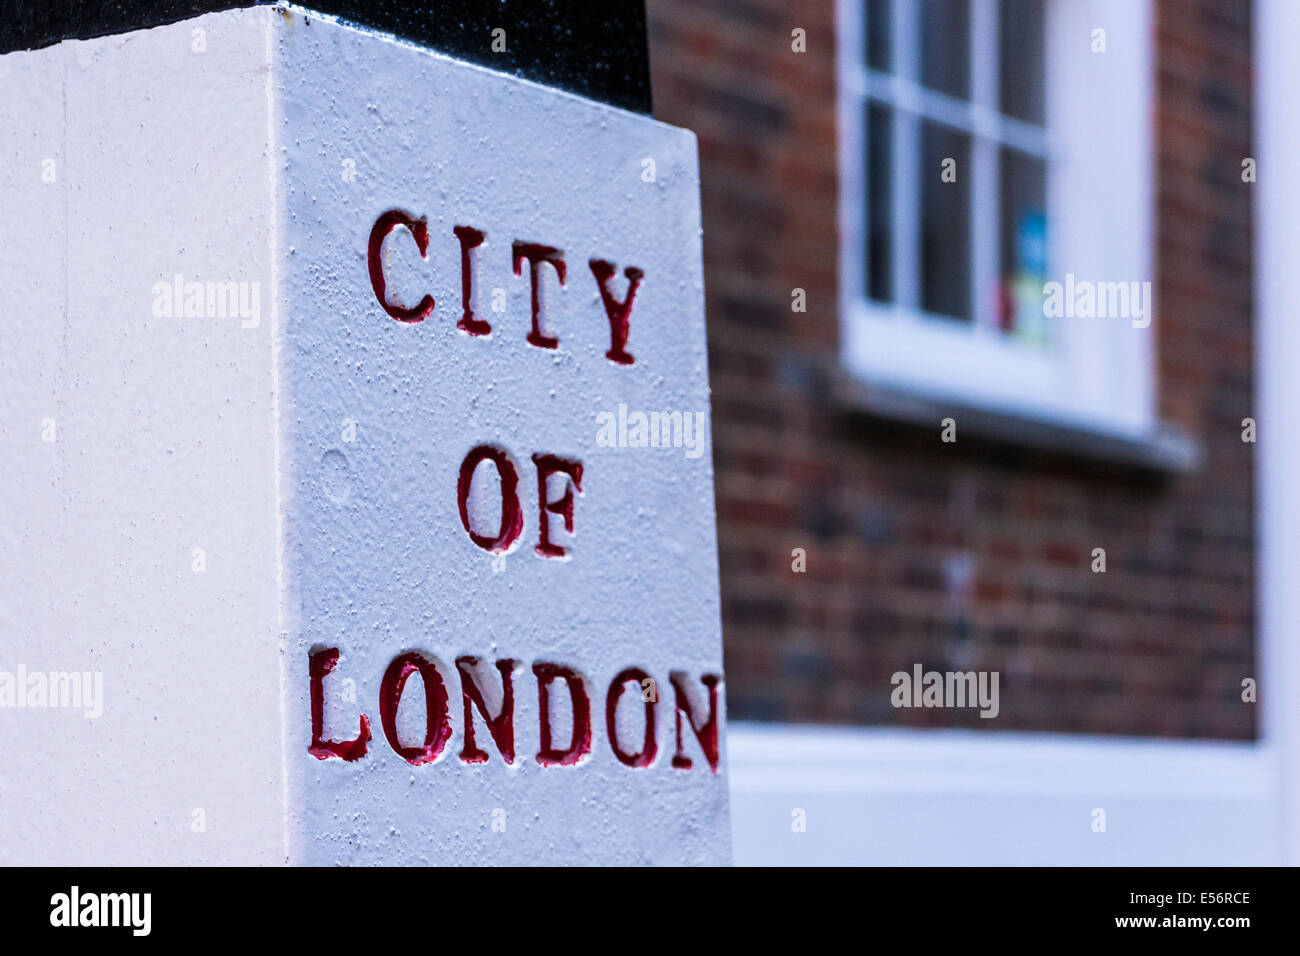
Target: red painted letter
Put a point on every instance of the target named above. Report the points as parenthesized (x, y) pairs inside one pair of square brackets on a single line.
[(383, 226), (548, 465), (536, 254), (502, 726), (649, 747), (618, 312), (707, 735), (580, 746), (320, 663), (470, 238), (437, 726), (512, 519)]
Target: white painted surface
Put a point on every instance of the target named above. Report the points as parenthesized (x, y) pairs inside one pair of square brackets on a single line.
[(391, 568), (910, 797), (182, 433), (165, 444), (1277, 396)]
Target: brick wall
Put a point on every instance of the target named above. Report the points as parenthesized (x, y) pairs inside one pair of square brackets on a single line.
[(966, 555)]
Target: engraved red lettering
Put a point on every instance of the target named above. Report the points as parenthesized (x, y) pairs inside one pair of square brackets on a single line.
[(470, 238), (384, 225), (320, 663), (512, 519), (548, 465), (437, 726), (649, 747), (502, 726), (619, 313), (580, 746), (537, 254), (707, 734)]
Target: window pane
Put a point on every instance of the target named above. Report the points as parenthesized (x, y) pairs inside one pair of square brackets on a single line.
[(945, 46), (1021, 35), (945, 221), (1023, 247), (880, 205), (880, 30)]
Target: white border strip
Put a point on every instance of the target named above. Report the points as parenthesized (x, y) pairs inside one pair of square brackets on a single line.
[(905, 797), (1277, 395)]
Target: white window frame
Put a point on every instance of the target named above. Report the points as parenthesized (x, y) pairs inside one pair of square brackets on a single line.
[(1099, 373)]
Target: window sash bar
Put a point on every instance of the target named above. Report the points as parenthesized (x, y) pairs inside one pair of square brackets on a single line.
[(906, 56), (982, 121), (985, 239)]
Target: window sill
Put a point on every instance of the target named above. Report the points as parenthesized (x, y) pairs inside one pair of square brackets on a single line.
[(1167, 449)]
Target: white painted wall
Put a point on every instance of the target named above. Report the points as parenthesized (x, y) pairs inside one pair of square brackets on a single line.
[(1277, 396), (164, 444)]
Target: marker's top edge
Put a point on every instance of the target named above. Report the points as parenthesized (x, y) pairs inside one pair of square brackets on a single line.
[(596, 51)]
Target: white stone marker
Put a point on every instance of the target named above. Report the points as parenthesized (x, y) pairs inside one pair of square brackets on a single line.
[(252, 475)]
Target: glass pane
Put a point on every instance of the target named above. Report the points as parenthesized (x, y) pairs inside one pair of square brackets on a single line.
[(945, 221), (1023, 247), (880, 30), (880, 203), (1021, 35), (945, 46)]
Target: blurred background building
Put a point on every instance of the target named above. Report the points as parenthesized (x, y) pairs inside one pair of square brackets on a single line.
[(888, 188)]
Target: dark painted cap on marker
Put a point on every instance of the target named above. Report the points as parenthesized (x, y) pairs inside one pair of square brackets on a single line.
[(597, 50)]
